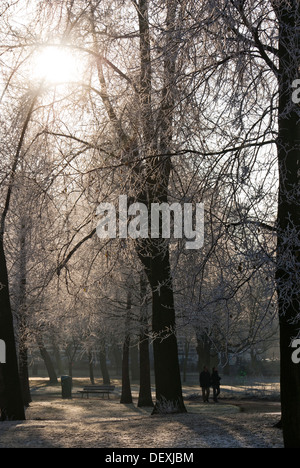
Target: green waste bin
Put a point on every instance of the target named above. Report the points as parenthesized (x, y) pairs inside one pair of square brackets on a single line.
[(66, 386)]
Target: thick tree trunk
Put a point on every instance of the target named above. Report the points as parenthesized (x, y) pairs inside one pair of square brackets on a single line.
[(167, 371), (154, 254), (12, 407), (166, 365), (145, 395), (288, 245), (151, 179), (48, 362)]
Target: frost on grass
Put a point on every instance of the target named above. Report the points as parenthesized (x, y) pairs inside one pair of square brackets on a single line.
[(164, 406), (99, 423)]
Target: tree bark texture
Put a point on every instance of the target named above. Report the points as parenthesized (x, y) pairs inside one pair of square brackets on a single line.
[(145, 395), (48, 362), (12, 407), (288, 223), (167, 372), (103, 366)]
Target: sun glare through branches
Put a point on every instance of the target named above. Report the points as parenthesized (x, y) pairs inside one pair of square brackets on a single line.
[(56, 64)]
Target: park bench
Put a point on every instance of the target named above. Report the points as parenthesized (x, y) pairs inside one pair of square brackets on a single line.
[(97, 389)]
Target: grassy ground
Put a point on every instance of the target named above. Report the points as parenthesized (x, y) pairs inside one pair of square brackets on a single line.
[(101, 423)]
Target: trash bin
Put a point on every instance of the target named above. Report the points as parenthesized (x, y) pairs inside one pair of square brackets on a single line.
[(66, 386)]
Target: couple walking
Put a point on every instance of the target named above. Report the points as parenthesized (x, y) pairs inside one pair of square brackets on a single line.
[(208, 380)]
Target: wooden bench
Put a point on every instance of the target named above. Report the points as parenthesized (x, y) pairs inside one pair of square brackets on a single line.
[(97, 389)]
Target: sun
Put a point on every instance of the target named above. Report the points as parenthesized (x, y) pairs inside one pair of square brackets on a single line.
[(56, 64)]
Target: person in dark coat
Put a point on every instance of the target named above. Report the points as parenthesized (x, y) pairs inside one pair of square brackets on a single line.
[(205, 384), (215, 383)]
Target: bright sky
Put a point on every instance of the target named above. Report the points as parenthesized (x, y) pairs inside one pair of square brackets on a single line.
[(56, 64)]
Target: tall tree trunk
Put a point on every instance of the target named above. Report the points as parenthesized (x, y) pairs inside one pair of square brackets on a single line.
[(48, 362), (155, 181), (154, 254), (12, 407), (126, 396), (145, 395), (288, 222), (167, 372)]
